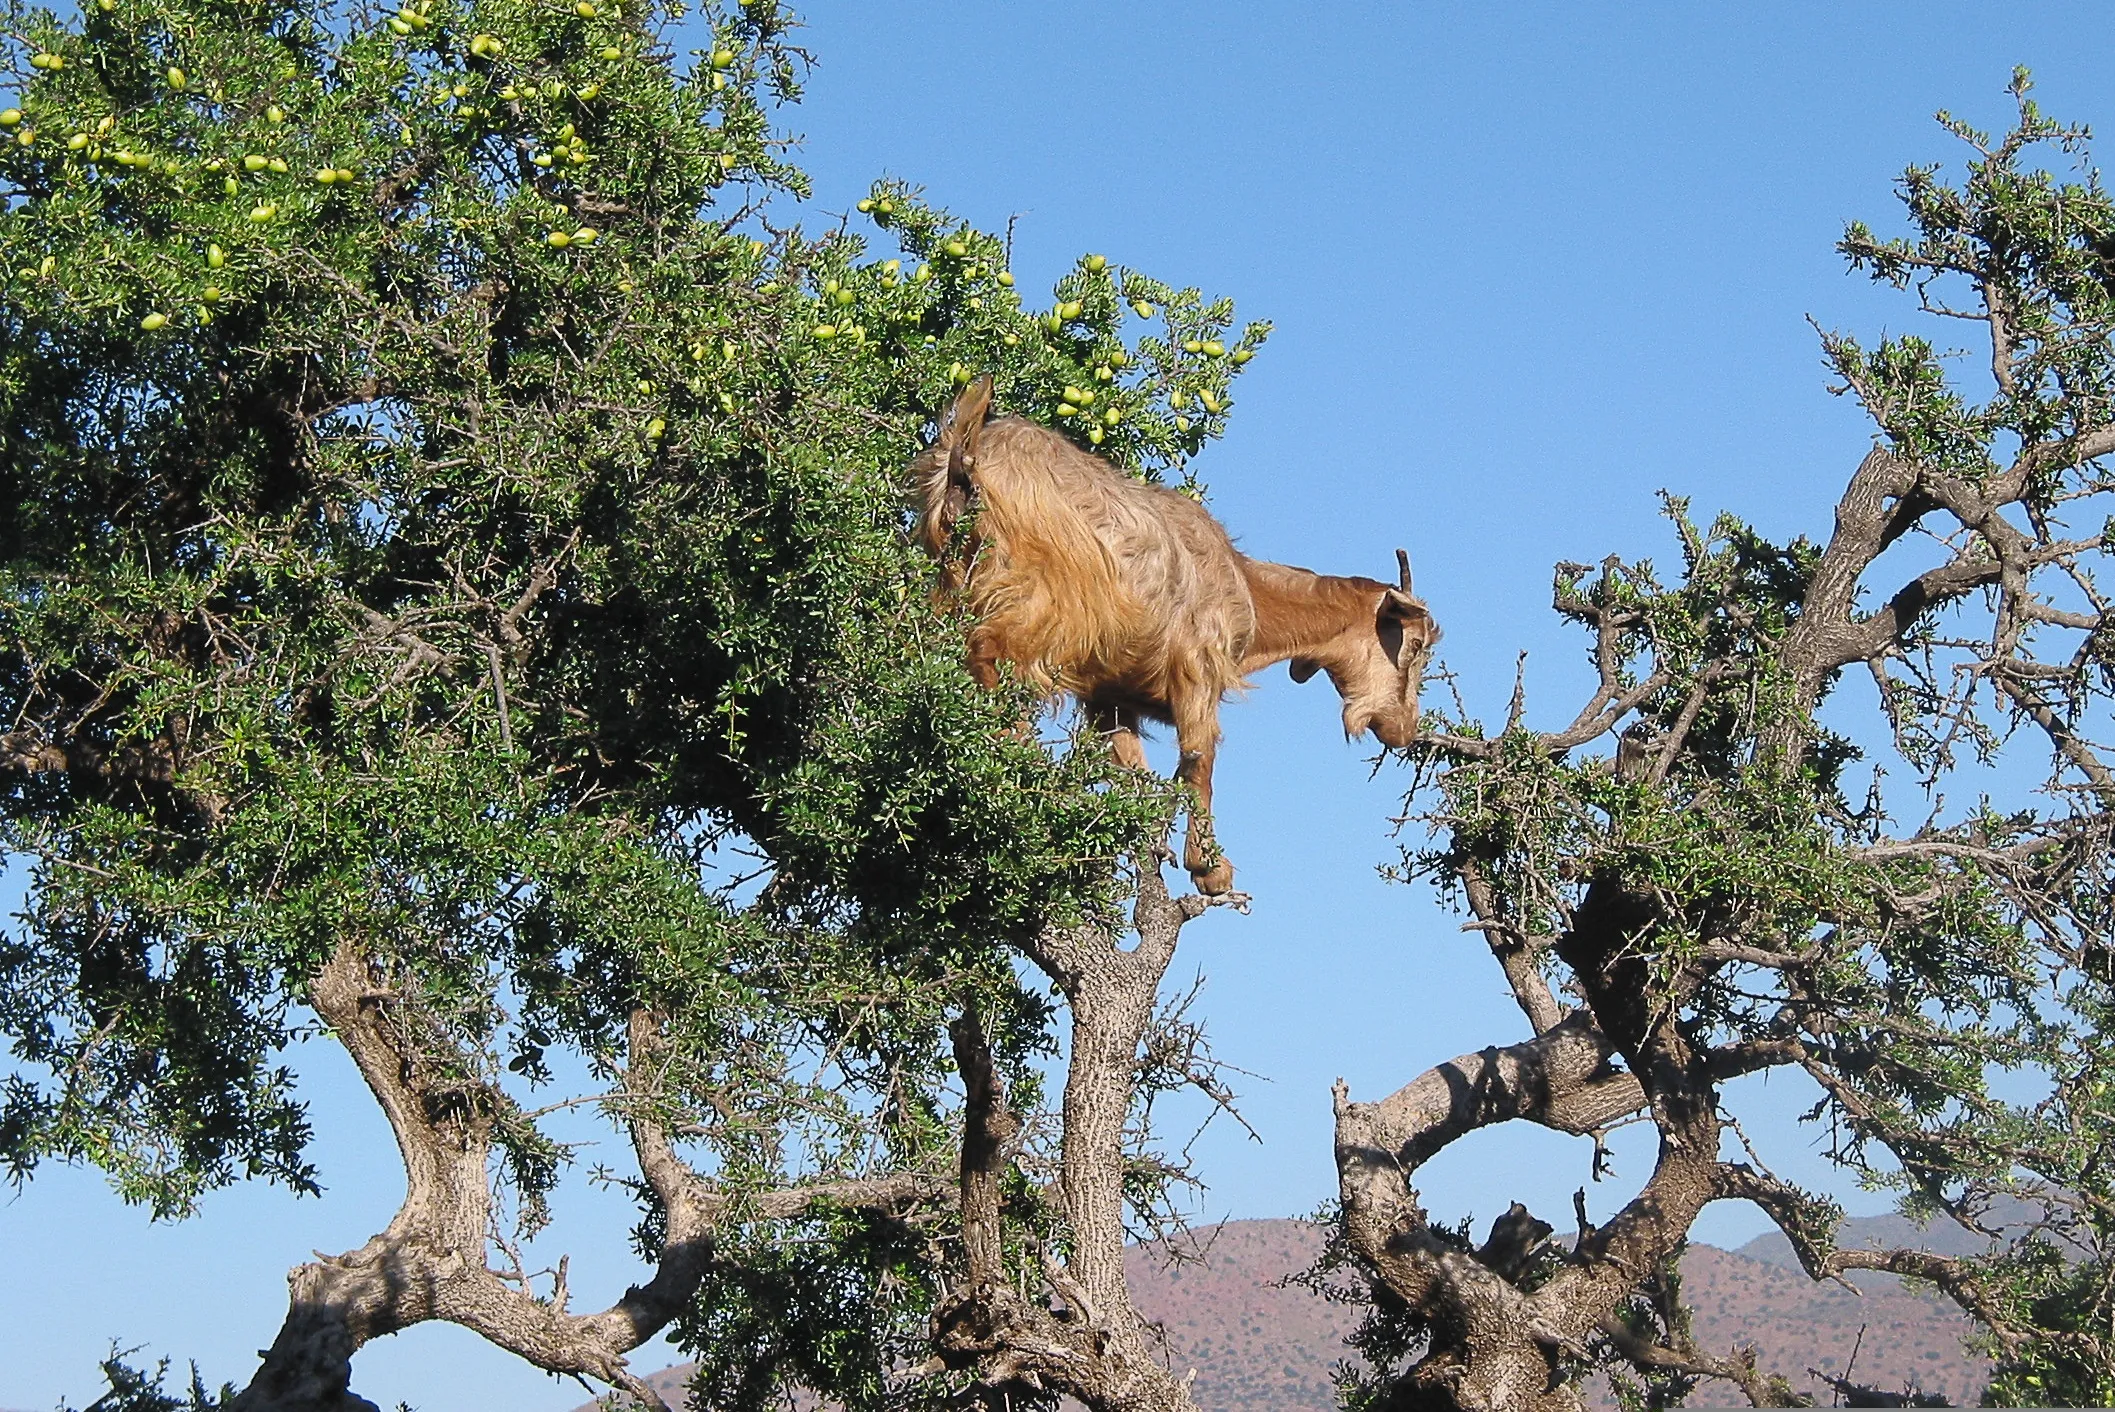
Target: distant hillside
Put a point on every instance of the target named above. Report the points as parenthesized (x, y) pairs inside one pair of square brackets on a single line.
[(1254, 1346), (1260, 1348)]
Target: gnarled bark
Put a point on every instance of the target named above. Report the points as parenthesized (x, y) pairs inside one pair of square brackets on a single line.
[(1493, 1345)]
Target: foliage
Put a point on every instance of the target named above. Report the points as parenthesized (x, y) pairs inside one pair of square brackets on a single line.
[(134, 1390), (452, 511), (805, 1312)]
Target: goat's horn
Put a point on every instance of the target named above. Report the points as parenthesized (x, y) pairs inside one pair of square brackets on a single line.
[(1402, 562)]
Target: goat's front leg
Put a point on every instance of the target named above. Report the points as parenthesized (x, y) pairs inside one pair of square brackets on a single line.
[(1197, 735)]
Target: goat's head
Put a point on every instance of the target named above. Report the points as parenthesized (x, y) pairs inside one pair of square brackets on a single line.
[(1379, 668)]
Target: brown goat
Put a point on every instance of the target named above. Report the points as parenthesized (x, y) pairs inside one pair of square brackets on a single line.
[(1131, 598)]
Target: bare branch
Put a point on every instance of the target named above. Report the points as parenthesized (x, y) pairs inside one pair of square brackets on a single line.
[(988, 1127), (2067, 742), (1515, 952), (1875, 509), (1739, 1368), (1794, 1214), (1560, 1079)]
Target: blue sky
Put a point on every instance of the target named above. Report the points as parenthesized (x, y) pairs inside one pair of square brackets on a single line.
[(1528, 265)]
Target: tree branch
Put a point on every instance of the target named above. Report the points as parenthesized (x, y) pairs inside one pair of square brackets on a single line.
[(430, 1262), (1875, 509), (988, 1126), (1516, 953), (1739, 1368), (1795, 1215)]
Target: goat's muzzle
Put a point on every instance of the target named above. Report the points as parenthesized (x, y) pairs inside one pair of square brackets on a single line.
[(1396, 730)]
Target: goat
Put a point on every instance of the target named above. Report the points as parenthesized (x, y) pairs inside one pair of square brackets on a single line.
[(1132, 599)]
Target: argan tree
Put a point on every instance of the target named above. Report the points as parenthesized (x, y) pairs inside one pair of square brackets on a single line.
[(1701, 876), (455, 597)]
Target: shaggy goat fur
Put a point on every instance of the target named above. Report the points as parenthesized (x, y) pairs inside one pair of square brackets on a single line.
[(1133, 599)]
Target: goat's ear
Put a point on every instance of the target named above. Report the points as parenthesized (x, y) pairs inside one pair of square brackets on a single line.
[(1304, 667), (978, 396), (1401, 607)]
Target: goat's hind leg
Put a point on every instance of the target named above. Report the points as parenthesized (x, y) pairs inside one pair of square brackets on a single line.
[(983, 663), (1197, 732), (1121, 727)]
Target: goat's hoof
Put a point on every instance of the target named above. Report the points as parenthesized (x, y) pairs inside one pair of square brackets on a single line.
[(1215, 880)]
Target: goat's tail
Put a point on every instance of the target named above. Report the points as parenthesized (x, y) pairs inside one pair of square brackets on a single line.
[(943, 475)]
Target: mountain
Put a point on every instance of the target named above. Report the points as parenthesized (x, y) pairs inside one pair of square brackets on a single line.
[(1260, 1347)]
